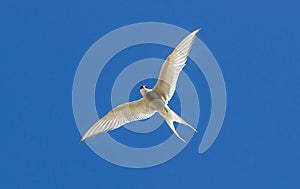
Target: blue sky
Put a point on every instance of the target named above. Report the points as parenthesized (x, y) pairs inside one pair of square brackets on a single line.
[(255, 42)]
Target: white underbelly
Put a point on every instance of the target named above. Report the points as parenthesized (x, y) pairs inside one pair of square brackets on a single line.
[(155, 102)]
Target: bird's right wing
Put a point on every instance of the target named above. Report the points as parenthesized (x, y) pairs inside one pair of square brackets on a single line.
[(171, 68), (122, 114)]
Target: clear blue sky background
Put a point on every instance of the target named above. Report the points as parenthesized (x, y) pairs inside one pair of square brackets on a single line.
[(255, 42)]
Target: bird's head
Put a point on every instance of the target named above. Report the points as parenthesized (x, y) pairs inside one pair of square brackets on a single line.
[(144, 89)]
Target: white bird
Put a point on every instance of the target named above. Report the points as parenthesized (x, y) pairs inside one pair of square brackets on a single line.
[(153, 100)]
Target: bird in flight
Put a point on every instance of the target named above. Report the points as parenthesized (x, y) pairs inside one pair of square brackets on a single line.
[(153, 100)]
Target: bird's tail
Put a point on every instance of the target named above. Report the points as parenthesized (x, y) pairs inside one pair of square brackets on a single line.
[(170, 116)]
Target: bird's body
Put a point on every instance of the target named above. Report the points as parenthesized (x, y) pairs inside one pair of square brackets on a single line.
[(153, 100), (156, 103)]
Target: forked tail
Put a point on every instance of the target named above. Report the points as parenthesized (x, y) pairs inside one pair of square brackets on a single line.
[(170, 116)]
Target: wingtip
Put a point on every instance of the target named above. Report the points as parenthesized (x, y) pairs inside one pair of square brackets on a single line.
[(82, 140), (197, 31), (195, 130)]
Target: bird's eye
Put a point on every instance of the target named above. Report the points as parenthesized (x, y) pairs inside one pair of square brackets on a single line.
[(146, 87), (141, 87)]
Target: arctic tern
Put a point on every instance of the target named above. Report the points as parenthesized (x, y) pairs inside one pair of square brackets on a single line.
[(153, 100)]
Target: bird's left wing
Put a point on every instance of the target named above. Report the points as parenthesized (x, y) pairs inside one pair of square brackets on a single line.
[(171, 68), (122, 114)]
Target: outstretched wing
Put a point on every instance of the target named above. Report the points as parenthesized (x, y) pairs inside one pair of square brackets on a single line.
[(171, 68), (122, 114)]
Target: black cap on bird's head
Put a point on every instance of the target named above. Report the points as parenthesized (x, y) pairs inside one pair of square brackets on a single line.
[(143, 87)]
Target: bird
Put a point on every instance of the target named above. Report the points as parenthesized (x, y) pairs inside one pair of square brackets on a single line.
[(153, 100)]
